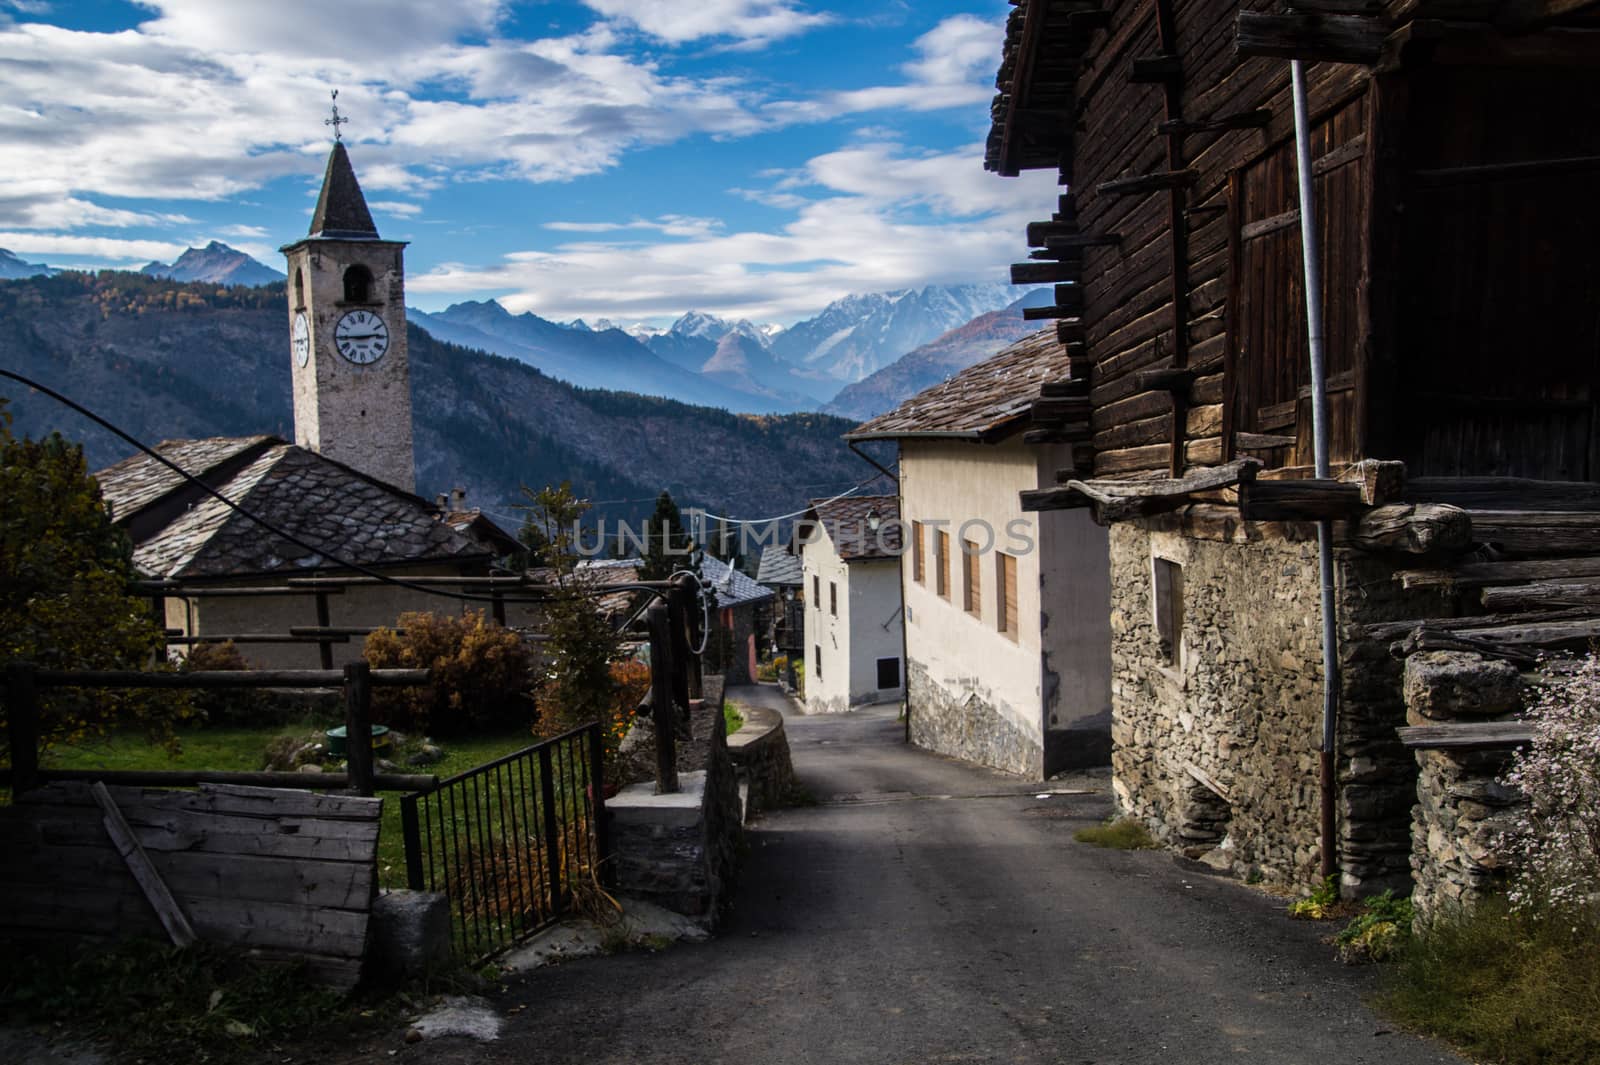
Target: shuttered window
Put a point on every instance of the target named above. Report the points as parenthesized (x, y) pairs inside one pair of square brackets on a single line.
[(918, 566), (971, 584), (833, 599), (941, 561), (1167, 597), (1006, 588)]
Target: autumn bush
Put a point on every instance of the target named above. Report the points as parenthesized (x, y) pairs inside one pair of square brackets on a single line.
[(483, 675), (223, 706)]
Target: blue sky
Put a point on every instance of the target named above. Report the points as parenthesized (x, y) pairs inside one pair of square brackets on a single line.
[(631, 159)]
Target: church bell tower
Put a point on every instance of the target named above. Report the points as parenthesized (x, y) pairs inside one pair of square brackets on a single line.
[(347, 330)]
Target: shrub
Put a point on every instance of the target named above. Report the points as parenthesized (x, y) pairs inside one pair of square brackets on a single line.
[(1127, 834), (482, 675), (1320, 905), (229, 706), (1554, 848), (1502, 985), (1379, 931)]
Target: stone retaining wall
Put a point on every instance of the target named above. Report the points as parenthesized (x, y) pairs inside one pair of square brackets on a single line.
[(970, 726), (1216, 745), (680, 850), (760, 754)]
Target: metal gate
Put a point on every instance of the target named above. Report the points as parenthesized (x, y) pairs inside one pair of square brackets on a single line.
[(513, 842)]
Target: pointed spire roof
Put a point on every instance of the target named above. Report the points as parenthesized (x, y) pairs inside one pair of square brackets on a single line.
[(341, 209)]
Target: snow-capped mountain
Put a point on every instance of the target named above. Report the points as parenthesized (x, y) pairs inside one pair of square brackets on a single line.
[(693, 338), (860, 334), (13, 267), (216, 263)]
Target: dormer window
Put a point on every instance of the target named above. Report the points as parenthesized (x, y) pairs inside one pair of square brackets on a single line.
[(358, 284)]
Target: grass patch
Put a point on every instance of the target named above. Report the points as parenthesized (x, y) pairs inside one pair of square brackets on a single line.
[(732, 717), (1503, 987), (1124, 835), (244, 749), (155, 1002)]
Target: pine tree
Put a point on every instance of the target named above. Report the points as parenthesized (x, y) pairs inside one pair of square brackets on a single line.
[(668, 545)]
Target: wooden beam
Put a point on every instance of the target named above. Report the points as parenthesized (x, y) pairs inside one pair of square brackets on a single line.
[(1070, 331), (1083, 240), (1537, 532), (1466, 736), (1176, 379), (1311, 499), (1044, 273), (1044, 314), (1041, 233), (1065, 387), (1543, 595), (1321, 38), (1479, 574), (1070, 294), (1156, 182), (1155, 69), (1415, 528), (1241, 120)]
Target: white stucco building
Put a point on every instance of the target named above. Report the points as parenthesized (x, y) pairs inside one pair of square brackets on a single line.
[(851, 569), (1007, 613)]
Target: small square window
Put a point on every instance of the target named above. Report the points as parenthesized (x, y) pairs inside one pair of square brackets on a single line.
[(888, 673)]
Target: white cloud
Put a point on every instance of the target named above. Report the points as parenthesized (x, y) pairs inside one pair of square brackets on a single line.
[(671, 225), (877, 219), (244, 232), (399, 208), (381, 30), (100, 249), (754, 22)]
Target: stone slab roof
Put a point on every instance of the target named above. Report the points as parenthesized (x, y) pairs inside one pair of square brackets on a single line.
[(138, 481), (986, 401), (344, 516), (848, 522), (732, 587), (779, 567)]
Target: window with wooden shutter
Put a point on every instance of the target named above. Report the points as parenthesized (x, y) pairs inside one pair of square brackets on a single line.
[(816, 659), (1006, 588), (833, 598), (816, 590), (941, 560), (971, 587), (917, 562)]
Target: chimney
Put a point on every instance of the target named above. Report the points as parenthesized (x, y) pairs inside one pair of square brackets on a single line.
[(458, 499), (441, 501)]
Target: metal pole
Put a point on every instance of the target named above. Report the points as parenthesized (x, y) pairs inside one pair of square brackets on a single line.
[(1311, 256)]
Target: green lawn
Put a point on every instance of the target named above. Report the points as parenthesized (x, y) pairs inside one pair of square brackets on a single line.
[(242, 749)]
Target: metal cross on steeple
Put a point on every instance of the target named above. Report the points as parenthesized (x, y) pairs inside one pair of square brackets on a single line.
[(336, 121)]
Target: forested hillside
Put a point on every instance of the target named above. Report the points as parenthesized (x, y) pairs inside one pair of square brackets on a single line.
[(168, 359)]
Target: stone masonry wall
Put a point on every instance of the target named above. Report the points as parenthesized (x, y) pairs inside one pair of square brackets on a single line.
[(1461, 809), (1217, 752), (969, 727)]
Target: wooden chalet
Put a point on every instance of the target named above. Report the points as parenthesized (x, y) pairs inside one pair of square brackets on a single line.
[(1456, 150)]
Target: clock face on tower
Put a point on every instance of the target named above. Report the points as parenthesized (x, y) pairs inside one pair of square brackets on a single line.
[(302, 339), (361, 337)]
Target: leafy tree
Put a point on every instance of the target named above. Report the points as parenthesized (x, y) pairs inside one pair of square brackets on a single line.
[(667, 549), (64, 602), (535, 545), (580, 645)]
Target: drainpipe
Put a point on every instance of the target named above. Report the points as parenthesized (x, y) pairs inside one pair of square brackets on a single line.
[(1311, 257)]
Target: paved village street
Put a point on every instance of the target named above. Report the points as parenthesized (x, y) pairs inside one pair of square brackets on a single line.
[(926, 911)]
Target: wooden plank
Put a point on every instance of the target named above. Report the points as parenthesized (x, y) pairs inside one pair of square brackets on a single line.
[(1479, 574), (290, 838), (1155, 69), (1177, 379), (144, 871), (1504, 493), (1466, 736), (242, 678), (1143, 183), (224, 799), (1536, 532), (188, 778), (1240, 120), (1041, 273), (1476, 626), (1543, 595), (1323, 38)]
